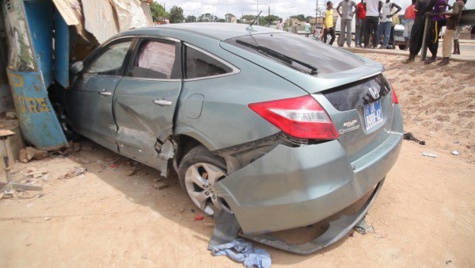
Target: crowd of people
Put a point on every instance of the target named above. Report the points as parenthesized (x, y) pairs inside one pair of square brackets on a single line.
[(375, 21)]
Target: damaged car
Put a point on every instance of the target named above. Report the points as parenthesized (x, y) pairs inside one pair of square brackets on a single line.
[(277, 130)]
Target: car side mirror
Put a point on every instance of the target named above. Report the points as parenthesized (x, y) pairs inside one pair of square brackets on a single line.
[(77, 67)]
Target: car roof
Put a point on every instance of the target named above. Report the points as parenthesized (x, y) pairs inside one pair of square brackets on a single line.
[(217, 30)]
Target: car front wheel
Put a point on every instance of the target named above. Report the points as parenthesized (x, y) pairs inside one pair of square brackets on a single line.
[(199, 171)]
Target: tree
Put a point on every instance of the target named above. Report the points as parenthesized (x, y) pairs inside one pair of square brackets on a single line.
[(271, 18), (300, 17), (158, 12), (176, 15), (190, 18), (207, 17)]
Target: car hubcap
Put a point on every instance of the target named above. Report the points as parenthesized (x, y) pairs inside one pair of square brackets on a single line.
[(200, 180)]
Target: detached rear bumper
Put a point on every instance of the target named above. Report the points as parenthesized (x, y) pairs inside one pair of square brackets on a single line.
[(295, 187)]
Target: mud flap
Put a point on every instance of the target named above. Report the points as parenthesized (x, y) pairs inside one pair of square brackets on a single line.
[(226, 230)]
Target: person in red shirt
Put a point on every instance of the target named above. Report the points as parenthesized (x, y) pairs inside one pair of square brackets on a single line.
[(360, 17), (410, 16)]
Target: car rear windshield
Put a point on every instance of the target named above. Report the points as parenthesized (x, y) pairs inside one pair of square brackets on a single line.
[(300, 53)]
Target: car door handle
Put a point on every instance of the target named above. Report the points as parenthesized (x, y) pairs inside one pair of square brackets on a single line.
[(104, 92), (162, 102)]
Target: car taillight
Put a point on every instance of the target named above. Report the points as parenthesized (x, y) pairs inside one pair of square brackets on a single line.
[(395, 100), (301, 117)]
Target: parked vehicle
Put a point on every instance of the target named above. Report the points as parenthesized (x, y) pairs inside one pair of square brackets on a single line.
[(399, 37), (255, 122)]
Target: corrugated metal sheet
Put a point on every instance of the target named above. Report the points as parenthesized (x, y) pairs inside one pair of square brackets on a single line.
[(70, 10), (104, 18), (99, 19), (131, 14)]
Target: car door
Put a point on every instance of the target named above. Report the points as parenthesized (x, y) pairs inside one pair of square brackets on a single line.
[(89, 101), (146, 98)]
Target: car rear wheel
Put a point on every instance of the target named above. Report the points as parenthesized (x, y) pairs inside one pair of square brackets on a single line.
[(198, 172), (402, 47)]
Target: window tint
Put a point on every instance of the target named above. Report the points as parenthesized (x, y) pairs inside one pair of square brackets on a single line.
[(198, 64), (110, 61), (156, 59)]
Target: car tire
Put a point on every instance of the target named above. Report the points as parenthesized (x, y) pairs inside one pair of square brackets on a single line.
[(402, 47), (198, 172)]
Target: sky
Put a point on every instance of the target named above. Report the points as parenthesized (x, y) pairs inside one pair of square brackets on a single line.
[(281, 8)]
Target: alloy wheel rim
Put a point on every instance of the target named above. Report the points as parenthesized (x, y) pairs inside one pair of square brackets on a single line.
[(200, 180)]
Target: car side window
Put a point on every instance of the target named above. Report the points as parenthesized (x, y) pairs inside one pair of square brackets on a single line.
[(199, 64), (156, 59), (111, 60)]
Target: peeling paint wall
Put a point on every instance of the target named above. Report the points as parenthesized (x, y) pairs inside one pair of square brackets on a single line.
[(21, 57), (5, 95)]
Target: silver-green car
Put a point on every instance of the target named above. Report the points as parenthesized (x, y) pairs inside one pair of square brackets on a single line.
[(280, 131)]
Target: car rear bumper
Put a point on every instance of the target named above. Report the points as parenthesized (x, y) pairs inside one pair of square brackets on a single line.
[(294, 187)]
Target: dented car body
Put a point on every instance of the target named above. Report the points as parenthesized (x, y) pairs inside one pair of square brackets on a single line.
[(277, 129)]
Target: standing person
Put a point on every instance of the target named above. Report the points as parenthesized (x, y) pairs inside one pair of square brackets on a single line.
[(437, 21), (348, 8), (456, 41), (452, 24), (307, 28), (386, 21), (417, 32), (360, 18), (373, 8), (328, 25), (395, 22), (280, 25), (410, 16)]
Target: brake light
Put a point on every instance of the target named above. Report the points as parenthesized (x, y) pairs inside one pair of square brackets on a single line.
[(395, 100), (301, 117)]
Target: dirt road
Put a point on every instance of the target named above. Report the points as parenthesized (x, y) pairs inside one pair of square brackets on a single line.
[(423, 217)]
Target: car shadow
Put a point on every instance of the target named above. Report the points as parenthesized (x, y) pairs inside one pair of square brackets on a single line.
[(142, 185)]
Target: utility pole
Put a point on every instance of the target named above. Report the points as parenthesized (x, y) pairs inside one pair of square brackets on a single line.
[(257, 10), (268, 16)]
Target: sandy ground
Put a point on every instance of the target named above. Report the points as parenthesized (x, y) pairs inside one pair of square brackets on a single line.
[(423, 217)]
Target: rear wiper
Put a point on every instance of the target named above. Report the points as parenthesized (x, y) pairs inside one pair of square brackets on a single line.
[(280, 56)]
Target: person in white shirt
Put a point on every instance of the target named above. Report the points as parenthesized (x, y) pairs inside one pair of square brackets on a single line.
[(348, 8), (373, 8), (385, 24)]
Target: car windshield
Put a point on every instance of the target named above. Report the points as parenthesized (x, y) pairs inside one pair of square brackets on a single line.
[(303, 54)]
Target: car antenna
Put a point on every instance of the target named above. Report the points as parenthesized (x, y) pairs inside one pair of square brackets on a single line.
[(255, 19)]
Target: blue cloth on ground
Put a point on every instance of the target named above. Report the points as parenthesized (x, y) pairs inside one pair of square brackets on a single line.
[(242, 251)]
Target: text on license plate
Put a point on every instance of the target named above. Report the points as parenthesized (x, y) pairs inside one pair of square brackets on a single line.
[(373, 114)]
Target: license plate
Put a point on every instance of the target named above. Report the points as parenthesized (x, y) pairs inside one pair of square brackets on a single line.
[(373, 114), (399, 38)]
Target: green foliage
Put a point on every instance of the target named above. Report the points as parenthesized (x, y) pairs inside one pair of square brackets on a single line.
[(190, 18), (158, 12), (176, 15), (207, 17), (300, 17)]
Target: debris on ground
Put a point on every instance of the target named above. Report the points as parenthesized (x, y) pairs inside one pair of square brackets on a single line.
[(158, 184), (199, 217), (429, 154), (410, 137), (131, 171), (244, 252), (363, 228), (455, 152), (10, 116), (77, 171), (32, 153)]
